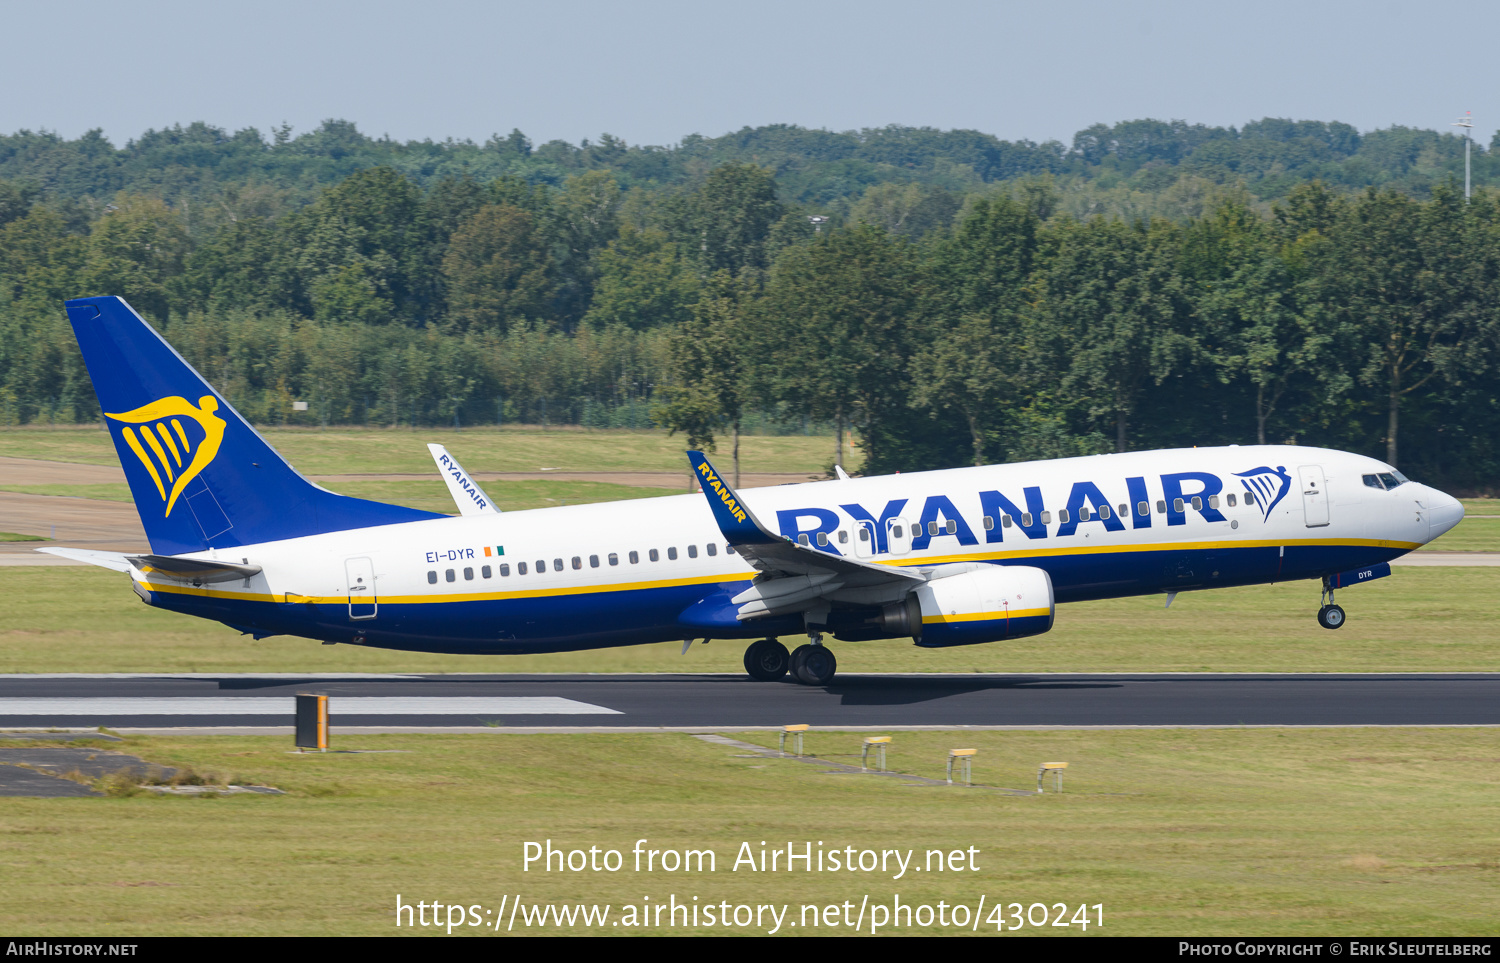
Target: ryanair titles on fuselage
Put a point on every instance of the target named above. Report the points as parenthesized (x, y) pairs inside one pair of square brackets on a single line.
[(1087, 504)]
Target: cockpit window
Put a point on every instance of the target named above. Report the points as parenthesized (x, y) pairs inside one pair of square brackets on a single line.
[(1386, 480)]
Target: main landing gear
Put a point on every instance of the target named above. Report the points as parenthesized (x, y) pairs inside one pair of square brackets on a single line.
[(813, 665), (1330, 616), (767, 661)]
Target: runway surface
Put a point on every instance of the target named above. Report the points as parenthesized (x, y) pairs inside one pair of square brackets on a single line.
[(732, 701)]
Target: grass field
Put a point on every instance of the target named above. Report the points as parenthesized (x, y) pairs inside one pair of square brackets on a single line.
[(1420, 619), (1178, 832), (382, 451)]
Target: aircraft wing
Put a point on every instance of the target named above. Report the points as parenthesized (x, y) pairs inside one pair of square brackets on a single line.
[(794, 577), (467, 494)]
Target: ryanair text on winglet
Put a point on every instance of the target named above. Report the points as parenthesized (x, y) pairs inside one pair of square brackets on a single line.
[(712, 481)]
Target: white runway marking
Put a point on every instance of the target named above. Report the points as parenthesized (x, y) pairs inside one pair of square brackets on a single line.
[(286, 705)]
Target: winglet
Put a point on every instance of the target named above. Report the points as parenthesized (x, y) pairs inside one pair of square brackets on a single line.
[(467, 495), (739, 526)]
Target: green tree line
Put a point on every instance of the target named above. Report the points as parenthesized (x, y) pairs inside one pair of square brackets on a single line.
[(1000, 324)]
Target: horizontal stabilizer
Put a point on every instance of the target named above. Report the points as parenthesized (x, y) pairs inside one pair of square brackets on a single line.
[(196, 570), (110, 560), (467, 495)]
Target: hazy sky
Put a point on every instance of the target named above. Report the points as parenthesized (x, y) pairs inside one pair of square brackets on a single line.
[(653, 71)]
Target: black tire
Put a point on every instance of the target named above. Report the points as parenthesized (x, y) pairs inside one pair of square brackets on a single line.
[(1331, 616), (814, 665), (766, 660)]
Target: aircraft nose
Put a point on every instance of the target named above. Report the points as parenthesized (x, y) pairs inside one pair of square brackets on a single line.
[(1443, 512)]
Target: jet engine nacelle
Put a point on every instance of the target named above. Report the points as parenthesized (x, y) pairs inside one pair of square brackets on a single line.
[(993, 603)]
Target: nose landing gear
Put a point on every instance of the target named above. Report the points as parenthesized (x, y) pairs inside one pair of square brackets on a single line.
[(1330, 616)]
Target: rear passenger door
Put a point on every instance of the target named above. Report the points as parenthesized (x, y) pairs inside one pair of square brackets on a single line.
[(360, 576)]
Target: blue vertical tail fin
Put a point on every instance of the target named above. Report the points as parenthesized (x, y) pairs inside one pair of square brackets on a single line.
[(201, 477)]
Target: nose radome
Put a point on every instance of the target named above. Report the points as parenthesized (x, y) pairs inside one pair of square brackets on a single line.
[(1443, 512)]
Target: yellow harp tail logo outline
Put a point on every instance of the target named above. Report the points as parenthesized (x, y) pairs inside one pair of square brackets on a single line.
[(165, 412)]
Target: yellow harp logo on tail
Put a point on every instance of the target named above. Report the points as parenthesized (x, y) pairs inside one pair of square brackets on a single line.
[(180, 458)]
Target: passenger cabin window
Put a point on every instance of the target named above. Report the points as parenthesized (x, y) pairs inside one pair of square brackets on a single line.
[(1141, 508), (1007, 521), (932, 528), (505, 570), (520, 568), (730, 550), (468, 575), (989, 523), (1062, 515), (692, 551), (577, 563), (1161, 507), (843, 537), (1249, 498), (672, 554), (1177, 505), (1047, 518), (1083, 513), (487, 572), (1231, 499), (802, 539), (952, 527), (432, 578), (635, 558), (614, 559), (655, 555), (864, 534), (593, 561), (541, 566), (557, 565), (1026, 518), (449, 575), (896, 531), (712, 549), (1213, 501), (822, 539), (1197, 504), (1124, 509)]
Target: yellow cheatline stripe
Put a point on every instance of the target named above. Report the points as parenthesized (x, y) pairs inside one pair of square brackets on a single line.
[(207, 592), (1153, 547), (135, 446), (156, 447), (988, 616), (166, 436), (177, 426), (736, 577)]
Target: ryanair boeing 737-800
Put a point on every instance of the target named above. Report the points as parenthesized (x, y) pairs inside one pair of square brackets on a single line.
[(952, 557)]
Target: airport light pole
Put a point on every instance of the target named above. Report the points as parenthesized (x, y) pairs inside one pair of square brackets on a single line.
[(1467, 123)]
